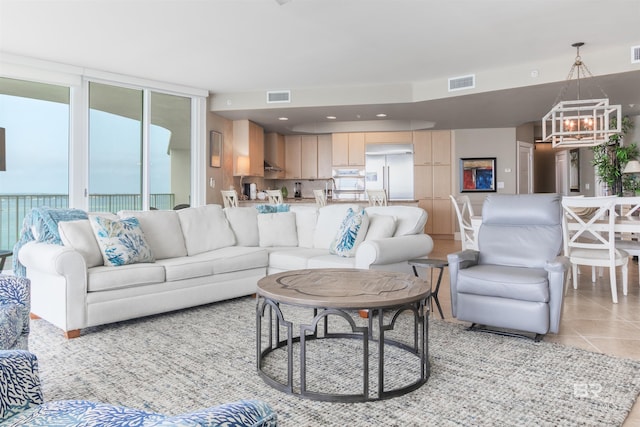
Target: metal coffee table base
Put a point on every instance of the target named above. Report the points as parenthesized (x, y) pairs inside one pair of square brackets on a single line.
[(275, 320)]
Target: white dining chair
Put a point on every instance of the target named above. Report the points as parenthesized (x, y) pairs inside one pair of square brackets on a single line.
[(377, 197), (229, 198), (274, 197), (588, 228), (464, 212), (628, 210), (321, 197)]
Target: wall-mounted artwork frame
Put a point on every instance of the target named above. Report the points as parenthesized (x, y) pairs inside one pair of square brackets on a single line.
[(477, 174), (574, 170), (215, 149)]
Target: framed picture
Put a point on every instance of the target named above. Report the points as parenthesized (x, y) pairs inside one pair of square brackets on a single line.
[(478, 174), (215, 149), (574, 170)]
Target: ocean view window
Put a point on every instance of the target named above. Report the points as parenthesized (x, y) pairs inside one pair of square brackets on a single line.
[(36, 121)]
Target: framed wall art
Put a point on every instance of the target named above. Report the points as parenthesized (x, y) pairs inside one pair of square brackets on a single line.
[(478, 174), (215, 149)]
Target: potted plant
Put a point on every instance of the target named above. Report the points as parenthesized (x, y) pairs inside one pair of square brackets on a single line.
[(610, 159)]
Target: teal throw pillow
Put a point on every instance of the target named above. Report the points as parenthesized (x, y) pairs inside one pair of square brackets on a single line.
[(121, 241), (265, 208), (351, 233)]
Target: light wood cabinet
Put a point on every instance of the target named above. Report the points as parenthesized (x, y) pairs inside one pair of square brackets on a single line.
[(293, 166), (309, 157), (324, 156), (423, 182), (387, 138), (432, 179), (441, 147), (248, 140), (422, 148), (348, 149), (274, 150)]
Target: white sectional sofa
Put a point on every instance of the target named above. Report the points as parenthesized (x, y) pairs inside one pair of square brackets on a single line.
[(205, 254)]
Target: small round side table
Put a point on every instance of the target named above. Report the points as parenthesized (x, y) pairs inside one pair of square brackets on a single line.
[(431, 263)]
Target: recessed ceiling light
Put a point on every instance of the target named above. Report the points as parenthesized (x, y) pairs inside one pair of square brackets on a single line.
[(381, 115), (283, 118), (331, 117)]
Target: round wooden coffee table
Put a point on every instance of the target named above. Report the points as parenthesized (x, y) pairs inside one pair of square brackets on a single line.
[(340, 293)]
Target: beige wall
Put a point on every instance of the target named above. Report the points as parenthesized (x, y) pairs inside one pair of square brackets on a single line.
[(497, 142)]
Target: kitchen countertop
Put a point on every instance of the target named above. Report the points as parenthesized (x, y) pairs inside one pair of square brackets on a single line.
[(312, 201)]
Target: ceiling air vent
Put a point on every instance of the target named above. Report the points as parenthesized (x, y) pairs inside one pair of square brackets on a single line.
[(278, 96), (463, 82), (635, 54)]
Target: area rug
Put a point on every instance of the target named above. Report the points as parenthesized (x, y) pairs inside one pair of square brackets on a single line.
[(190, 359)]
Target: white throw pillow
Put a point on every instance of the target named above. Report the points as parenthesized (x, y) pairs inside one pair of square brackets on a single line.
[(351, 233), (121, 241), (162, 230), (244, 223), (277, 229), (306, 219), (79, 236), (380, 227), (205, 228)]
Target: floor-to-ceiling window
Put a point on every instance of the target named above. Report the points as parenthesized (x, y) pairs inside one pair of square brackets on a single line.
[(118, 164), (35, 117), (103, 145)]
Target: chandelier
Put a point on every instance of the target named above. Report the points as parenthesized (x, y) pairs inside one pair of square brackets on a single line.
[(580, 123)]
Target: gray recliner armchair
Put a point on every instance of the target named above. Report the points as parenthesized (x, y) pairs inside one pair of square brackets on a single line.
[(515, 281)]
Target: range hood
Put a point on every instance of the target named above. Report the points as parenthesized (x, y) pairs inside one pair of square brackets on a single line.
[(270, 167)]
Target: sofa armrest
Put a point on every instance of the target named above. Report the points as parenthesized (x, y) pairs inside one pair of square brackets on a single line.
[(58, 283), (393, 250), (20, 382), (459, 261), (557, 276), (249, 413)]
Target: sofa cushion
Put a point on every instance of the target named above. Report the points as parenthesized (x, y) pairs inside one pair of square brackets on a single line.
[(294, 258), (121, 241), (79, 236), (518, 283), (351, 233), (409, 219), (277, 229), (329, 219), (186, 267), (162, 230), (205, 228), (107, 278), (244, 223), (380, 227), (331, 261), (237, 258), (306, 219)]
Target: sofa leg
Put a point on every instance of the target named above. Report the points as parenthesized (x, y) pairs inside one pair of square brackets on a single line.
[(72, 334), (33, 316)]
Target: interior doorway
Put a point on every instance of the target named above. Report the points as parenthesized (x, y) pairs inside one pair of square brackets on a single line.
[(525, 168)]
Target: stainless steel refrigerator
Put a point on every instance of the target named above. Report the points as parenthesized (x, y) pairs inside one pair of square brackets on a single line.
[(390, 167)]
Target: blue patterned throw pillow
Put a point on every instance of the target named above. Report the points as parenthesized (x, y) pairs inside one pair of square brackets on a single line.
[(351, 233), (121, 241), (265, 208)]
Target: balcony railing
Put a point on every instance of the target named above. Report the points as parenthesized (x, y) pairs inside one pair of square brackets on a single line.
[(14, 207)]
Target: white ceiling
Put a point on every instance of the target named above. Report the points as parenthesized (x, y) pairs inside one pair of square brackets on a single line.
[(348, 58)]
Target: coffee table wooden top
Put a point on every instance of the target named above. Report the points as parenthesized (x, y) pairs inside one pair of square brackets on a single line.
[(343, 288)]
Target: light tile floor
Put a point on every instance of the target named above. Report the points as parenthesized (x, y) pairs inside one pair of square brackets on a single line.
[(589, 320)]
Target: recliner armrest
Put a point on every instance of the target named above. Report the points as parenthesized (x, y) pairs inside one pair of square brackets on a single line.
[(464, 259)]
